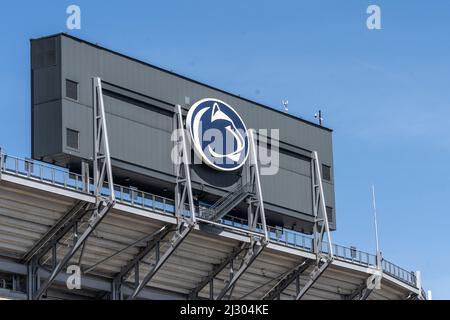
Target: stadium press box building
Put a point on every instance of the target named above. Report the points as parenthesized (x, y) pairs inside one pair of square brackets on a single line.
[(138, 225), (140, 102)]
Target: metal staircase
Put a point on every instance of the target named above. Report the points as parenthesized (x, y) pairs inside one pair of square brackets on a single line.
[(225, 204)]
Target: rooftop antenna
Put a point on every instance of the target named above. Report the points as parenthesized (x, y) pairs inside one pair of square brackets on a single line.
[(376, 226), (318, 115), (285, 104)]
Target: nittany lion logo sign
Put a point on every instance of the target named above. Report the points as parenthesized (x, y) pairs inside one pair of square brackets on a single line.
[(218, 134)]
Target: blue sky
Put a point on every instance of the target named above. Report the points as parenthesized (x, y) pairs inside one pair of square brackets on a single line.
[(385, 93)]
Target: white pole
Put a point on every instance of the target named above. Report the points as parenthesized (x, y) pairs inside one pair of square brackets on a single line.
[(376, 224)]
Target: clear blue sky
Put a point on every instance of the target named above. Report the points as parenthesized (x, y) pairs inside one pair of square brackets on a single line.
[(386, 93)]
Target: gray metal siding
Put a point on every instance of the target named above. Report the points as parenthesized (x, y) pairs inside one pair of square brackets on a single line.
[(78, 117), (47, 132)]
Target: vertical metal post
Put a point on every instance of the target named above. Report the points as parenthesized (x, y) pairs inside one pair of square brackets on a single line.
[(31, 279), (136, 274), (378, 253), (1, 163), (114, 290), (211, 289), (54, 256), (85, 175), (419, 283), (102, 159), (254, 163), (102, 168), (179, 199), (29, 282), (320, 207)]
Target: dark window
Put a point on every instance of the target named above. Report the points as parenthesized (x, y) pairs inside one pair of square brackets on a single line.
[(71, 89), (72, 138), (330, 214), (326, 172)]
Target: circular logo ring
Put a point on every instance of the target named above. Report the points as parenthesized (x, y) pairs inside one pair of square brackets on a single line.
[(218, 134)]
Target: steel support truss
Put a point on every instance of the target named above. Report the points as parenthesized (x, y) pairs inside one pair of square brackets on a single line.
[(246, 253), (320, 229), (286, 280), (365, 290), (152, 257), (242, 256), (75, 226), (164, 242)]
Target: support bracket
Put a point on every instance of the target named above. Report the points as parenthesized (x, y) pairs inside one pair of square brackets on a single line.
[(186, 221), (314, 276), (253, 251), (286, 281), (320, 229), (105, 199), (365, 290)]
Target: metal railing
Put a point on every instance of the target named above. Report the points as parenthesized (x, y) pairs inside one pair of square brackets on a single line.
[(61, 177), (41, 172), (399, 273), (351, 254)]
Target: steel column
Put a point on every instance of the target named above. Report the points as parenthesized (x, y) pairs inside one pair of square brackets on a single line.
[(1, 163), (57, 231), (315, 275), (156, 236), (254, 250), (321, 225), (183, 186), (102, 170), (101, 214), (176, 240), (286, 281), (217, 269)]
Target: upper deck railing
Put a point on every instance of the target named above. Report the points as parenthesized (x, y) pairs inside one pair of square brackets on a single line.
[(61, 177)]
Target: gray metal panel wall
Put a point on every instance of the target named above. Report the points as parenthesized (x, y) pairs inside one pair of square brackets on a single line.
[(46, 97), (47, 133), (140, 132)]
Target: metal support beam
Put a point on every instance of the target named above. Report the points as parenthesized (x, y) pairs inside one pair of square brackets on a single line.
[(216, 270), (102, 159), (150, 239), (93, 224), (105, 199), (315, 275), (2, 159), (256, 181), (180, 234), (254, 250), (320, 229), (259, 237), (321, 225), (57, 231), (183, 186), (32, 279), (412, 296), (286, 281), (89, 282), (365, 290), (185, 222), (120, 278)]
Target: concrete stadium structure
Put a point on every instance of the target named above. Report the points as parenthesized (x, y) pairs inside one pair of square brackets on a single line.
[(33, 202)]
